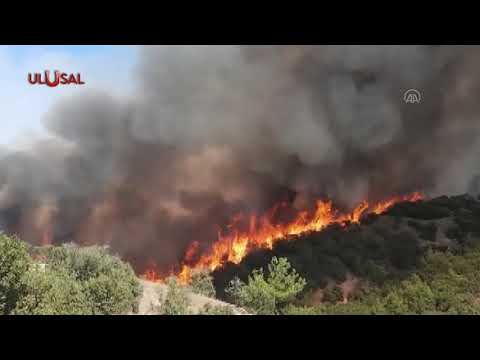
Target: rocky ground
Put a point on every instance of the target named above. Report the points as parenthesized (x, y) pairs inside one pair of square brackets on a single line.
[(153, 292)]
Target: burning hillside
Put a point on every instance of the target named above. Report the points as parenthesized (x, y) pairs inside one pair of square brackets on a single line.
[(354, 269), (247, 234), (211, 132)]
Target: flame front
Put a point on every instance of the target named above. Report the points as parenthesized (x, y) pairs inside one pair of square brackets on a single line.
[(263, 233)]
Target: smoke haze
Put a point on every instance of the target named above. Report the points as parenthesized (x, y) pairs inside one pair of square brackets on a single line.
[(211, 131)]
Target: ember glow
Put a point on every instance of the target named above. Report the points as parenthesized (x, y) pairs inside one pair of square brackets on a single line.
[(246, 234)]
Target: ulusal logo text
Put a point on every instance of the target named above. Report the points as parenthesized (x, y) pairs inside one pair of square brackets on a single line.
[(58, 78)]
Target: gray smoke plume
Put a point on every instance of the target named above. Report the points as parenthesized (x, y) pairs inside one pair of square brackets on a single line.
[(215, 130)]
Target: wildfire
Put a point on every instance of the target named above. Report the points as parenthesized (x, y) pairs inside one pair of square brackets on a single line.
[(47, 236), (151, 275), (263, 233)]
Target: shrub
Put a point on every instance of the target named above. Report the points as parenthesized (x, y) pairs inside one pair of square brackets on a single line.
[(112, 293), (76, 281), (14, 263), (176, 301), (404, 250), (450, 291), (302, 310), (51, 292), (333, 267), (216, 310), (417, 295), (333, 295), (202, 283), (375, 272), (110, 285)]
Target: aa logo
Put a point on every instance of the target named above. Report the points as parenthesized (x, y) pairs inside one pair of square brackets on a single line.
[(412, 96)]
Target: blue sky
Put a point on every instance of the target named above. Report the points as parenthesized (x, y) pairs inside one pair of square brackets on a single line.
[(22, 106)]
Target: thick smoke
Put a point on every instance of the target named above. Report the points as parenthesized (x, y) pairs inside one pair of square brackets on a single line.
[(216, 130)]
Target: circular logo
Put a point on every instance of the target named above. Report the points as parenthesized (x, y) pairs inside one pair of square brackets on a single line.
[(412, 96)]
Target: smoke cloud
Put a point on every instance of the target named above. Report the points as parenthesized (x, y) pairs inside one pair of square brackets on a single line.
[(211, 131)]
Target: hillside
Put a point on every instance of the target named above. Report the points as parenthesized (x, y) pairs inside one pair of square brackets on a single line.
[(417, 258), (382, 252)]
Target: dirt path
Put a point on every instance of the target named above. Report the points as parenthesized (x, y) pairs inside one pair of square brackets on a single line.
[(152, 292)]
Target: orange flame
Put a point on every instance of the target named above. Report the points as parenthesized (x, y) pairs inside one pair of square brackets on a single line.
[(151, 275), (264, 233)]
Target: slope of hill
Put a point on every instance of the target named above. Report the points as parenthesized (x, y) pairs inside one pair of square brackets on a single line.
[(341, 264), (153, 292)]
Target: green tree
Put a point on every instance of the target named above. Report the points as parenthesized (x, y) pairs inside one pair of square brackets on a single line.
[(176, 301), (267, 296), (256, 296), (413, 296), (51, 292), (14, 263), (375, 272), (450, 292), (394, 304), (404, 250), (284, 281), (418, 295), (202, 283)]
